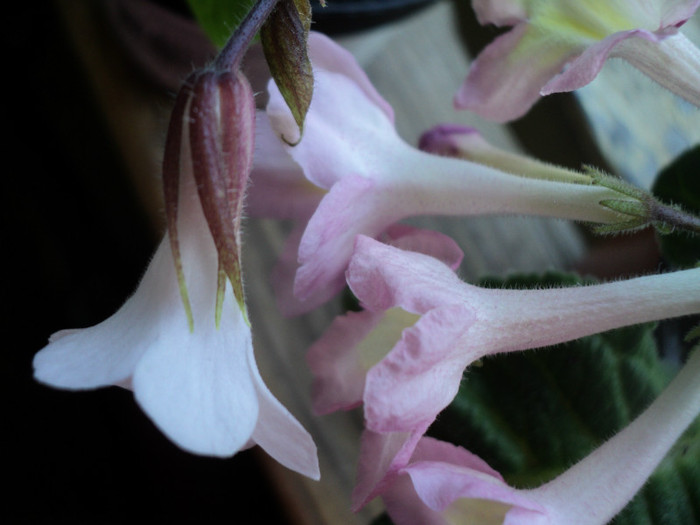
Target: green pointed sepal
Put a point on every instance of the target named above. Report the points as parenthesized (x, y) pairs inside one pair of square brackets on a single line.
[(171, 186), (284, 39), (222, 131)]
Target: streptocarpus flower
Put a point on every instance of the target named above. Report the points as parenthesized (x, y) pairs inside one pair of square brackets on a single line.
[(445, 484), (374, 179), (441, 324), (279, 190), (182, 342), (559, 46), (433, 325)]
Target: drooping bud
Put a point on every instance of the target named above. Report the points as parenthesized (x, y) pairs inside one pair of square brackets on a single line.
[(220, 112), (222, 131)]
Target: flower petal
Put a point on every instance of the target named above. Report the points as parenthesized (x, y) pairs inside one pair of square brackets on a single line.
[(342, 121), (282, 436), (428, 242), (506, 78), (677, 12), (352, 345), (381, 457), (499, 12), (350, 207), (108, 352), (278, 187), (197, 386), (584, 68), (420, 376), (339, 377), (379, 276), (326, 55)]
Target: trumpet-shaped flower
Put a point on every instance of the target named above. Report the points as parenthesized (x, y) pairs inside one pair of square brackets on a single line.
[(374, 179), (561, 46), (279, 190), (181, 342), (444, 484), (423, 327)]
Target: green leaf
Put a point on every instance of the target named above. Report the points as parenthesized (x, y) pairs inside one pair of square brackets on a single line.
[(284, 36), (219, 18), (679, 183), (532, 414)]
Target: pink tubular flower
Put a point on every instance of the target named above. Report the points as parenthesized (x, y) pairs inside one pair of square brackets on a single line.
[(374, 179), (279, 190), (182, 342), (561, 46), (444, 484), (423, 327)]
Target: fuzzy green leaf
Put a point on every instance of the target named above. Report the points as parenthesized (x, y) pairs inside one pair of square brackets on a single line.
[(679, 183), (219, 18)]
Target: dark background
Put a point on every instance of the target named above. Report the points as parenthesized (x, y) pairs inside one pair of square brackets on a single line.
[(76, 244)]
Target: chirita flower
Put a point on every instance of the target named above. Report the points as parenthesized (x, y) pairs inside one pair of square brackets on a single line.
[(558, 46), (404, 357), (445, 484), (183, 341), (374, 179)]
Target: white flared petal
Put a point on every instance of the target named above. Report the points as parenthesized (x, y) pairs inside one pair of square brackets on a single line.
[(197, 386), (282, 436), (107, 353)]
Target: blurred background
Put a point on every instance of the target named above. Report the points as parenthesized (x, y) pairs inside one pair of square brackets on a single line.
[(88, 88)]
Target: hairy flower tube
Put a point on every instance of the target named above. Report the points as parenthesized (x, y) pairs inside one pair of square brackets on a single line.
[(423, 326), (559, 46), (374, 179), (444, 484), (183, 341), (642, 208)]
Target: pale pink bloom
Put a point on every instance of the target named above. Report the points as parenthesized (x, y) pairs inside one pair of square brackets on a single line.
[(444, 484), (374, 179), (404, 357), (279, 190), (561, 46), (200, 387)]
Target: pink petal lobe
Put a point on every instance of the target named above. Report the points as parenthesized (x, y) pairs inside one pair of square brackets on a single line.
[(584, 68), (381, 279), (326, 55), (499, 12), (381, 458), (339, 377), (506, 78), (678, 12), (278, 188), (443, 473), (428, 242), (420, 376), (341, 122), (349, 208)]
